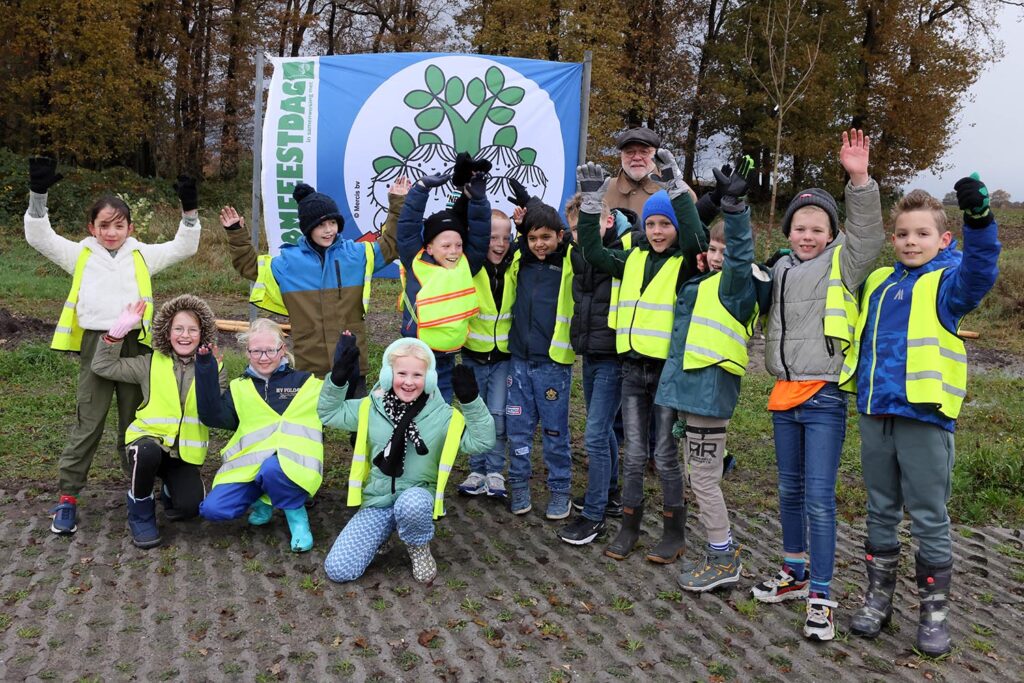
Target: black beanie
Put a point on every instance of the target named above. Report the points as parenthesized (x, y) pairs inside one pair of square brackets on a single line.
[(440, 222), (315, 208), (812, 196)]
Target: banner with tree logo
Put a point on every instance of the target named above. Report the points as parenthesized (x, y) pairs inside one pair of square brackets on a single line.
[(350, 125)]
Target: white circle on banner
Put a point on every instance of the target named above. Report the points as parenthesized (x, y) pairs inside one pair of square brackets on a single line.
[(417, 120)]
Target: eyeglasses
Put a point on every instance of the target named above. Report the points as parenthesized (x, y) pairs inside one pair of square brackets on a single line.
[(257, 354), (638, 152), (185, 330)]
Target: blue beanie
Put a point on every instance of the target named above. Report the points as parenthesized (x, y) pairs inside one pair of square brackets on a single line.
[(659, 205)]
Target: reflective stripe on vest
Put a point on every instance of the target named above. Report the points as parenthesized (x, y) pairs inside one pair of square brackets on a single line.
[(561, 350), (266, 293), (445, 303), (841, 310), (936, 371), (613, 301), (490, 327), (644, 320), (161, 417), (359, 472), (714, 337), (296, 436), (68, 335)]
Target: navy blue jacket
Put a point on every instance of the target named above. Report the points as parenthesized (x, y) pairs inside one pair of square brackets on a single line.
[(533, 313), (218, 410)]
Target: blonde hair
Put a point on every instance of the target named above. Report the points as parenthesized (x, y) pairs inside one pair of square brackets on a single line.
[(269, 326), (919, 200), (717, 233), (409, 347)]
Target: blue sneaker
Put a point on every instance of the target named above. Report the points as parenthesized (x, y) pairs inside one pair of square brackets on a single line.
[(520, 504), (559, 506), (65, 516), (496, 486), (474, 485)]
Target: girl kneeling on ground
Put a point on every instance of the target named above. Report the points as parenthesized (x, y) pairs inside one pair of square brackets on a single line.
[(405, 414), (166, 439), (275, 459)]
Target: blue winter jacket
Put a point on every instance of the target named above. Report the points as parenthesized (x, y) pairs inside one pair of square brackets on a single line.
[(533, 312), (712, 391), (969, 275), (218, 410), (410, 241)]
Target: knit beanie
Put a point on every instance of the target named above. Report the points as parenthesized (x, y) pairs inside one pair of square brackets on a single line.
[(659, 204), (812, 196), (315, 208), (441, 221)]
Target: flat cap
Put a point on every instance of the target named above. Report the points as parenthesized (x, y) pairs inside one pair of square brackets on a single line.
[(643, 136)]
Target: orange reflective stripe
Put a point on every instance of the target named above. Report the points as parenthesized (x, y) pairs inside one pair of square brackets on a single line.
[(445, 297), (451, 318)]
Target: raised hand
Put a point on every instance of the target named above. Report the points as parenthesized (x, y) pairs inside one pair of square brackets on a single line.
[(464, 384), (400, 187), (732, 190), (972, 198), (432, 181), (188, 194), (476, 188), (520, 196), (518, 214), (668, 176), (129, 318), (854, 156), (42, 174), (346, 359), (231, 219), (593, 182)]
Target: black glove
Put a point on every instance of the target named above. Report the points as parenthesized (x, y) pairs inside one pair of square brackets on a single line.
[(205, 359), (722, 180), (185, 186), (464, 384), (519, 194), (42, 174), (432, 181), (346, 360), (476, 188), (972, 197), (776, 256), (463, 170), (731, 189)]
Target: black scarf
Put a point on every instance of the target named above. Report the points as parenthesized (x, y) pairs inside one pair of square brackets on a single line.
[(391, 460)]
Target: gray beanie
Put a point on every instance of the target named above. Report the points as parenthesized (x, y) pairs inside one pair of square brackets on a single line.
[(812, 196)]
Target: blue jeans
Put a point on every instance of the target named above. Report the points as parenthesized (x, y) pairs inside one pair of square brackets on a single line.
[(539, 393), (602, 392), (639, 411), (492, 380), (231, 501), (808, 443), (445, 361)]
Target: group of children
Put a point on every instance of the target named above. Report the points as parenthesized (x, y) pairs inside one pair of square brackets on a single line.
[(660, 310)]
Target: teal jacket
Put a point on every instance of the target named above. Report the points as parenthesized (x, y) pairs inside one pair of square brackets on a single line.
[(712, 391), (420, 470)]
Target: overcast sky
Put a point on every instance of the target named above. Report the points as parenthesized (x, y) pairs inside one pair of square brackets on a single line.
[(988, 136)]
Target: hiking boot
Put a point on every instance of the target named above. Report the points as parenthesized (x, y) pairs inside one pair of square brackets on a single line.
[(673, 537), (933, 588), (520, 503), (260, 513), (612, 509), (424, 568), (718, 568), (629, 533), (871, 618), (142, 522), (558, 506), (820, 621), (581, 531), (782, 586), (496, 486), (298, 524), (474, 485), (65, 516)]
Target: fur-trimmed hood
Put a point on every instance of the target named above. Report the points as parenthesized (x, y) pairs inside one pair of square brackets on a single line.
[(185, 302)]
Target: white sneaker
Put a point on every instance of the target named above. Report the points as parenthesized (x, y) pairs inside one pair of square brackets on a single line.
[(820, 622), (475, 485), (496, 486)]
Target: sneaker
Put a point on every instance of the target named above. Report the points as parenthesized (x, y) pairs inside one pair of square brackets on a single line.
[(612, 509), (780, 587), (474, 485), (424, 568), (558, 506), (820, 622), (520, 503), (717, 568), (496, 486), (65, 516), (581, 531)]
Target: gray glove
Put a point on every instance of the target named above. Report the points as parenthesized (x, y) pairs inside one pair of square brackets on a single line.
[(593, 182), (432, 181), (668, 176)]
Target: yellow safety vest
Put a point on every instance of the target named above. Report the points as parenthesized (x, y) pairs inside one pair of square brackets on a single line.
[(266, 293), (613, 301), (162, 416), (714, 336), (489, 329), (643, 320), (296, 437), (561, 350), (936, 372), (68, 335), (360, 471), (445, 303), (841, 310)]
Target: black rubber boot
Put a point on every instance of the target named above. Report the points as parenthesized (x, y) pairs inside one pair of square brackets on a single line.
[(142, 522), (673, 539), (933, 588), (871, 618), (629, 533)]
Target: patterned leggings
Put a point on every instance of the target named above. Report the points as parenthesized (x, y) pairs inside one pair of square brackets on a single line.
[(366, 532)]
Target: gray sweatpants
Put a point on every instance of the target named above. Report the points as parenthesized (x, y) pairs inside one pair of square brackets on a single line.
[(908, 463), (703, 452)]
